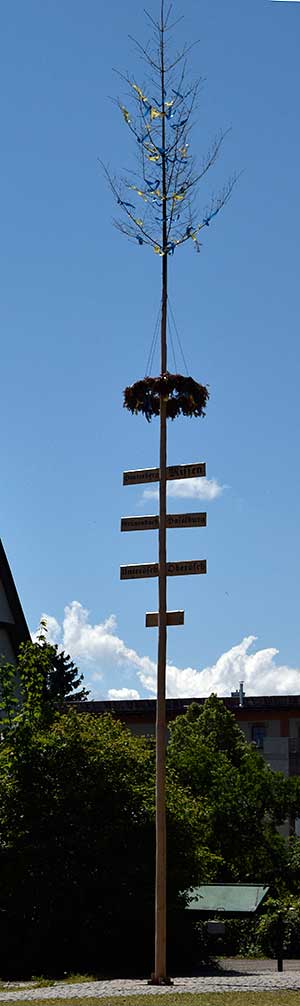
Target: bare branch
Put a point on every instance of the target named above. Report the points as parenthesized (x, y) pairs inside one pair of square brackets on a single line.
[(144, 53), (166, 184), (125, 206), (182, 55), (154, 23), (174, 24)]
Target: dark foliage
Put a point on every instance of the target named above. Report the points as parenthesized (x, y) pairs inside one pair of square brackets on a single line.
[(62, 681), (244, 800), (77, 844), (77, 835), (41, 682)]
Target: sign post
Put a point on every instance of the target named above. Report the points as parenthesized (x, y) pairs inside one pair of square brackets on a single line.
[(161, 619), (168, 178)]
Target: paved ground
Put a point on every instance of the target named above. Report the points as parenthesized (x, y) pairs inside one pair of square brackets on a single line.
[(246, 976)]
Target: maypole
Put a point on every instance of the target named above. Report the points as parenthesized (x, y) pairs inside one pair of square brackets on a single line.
[(166, 182), (160, 971)]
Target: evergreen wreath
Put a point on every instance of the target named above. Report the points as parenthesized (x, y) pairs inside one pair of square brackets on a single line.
[(183, 396)]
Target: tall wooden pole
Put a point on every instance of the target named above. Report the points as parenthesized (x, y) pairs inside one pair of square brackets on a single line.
[(160, 872)]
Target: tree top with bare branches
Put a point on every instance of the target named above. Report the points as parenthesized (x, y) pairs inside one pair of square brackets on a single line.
[(159, 202)]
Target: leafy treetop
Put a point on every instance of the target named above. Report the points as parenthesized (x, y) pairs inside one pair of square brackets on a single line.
[(43, 679)]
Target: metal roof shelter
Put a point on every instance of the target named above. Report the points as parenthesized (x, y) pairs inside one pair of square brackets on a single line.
[(227, 900)]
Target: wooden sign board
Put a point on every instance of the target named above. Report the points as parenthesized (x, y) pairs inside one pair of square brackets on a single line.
[(173, 618), (184, 568), (141, 475), (186, 519), (136, 572), (148, 523), (151, 521), (197, 470), (173, 569)]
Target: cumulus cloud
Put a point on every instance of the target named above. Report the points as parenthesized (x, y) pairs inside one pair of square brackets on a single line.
[(123, 693), (259, 671), (99, 650), (201, 489)]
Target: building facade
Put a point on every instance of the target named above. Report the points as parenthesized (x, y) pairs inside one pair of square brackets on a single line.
[(13, 627), (272, 722)]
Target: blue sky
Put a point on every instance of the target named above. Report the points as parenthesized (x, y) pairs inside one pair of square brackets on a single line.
[(77, 312)]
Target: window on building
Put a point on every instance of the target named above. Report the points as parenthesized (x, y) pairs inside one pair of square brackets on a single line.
[(258, 734)]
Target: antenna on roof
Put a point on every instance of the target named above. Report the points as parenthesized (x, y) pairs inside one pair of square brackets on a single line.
[(239, 694)]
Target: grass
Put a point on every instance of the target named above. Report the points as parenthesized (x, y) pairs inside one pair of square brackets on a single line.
[(35, 983), (181, 999), (72, 979), (39, 982)]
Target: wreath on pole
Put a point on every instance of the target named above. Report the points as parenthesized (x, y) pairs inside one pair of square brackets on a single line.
[(183, 396)]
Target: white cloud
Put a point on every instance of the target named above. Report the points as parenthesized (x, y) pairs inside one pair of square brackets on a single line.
[(259, 671), (201, 489), (99, 651), (122, 693), (94, 643)]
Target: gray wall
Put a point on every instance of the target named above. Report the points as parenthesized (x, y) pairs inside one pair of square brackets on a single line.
[(6, 649)]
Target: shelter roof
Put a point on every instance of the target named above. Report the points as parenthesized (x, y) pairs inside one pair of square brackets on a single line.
[(227, 899)]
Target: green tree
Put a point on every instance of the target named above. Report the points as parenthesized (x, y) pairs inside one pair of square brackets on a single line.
[(41, 682), (77, 845), (292, 876), (243, 799), (278, 929)]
